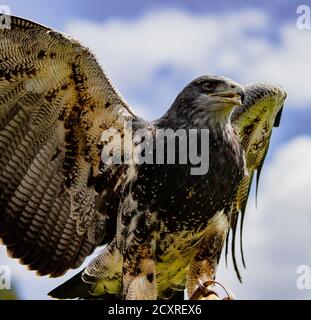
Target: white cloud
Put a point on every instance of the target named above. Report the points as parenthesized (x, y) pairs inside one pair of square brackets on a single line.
[(134, 50), (278, 234), (185, 46)]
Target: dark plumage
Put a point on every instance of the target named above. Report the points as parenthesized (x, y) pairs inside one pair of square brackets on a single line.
[(166, 212), (163, 226)]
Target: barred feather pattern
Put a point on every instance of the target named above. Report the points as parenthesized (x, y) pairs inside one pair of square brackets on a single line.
[(55, 101), (253, 122)]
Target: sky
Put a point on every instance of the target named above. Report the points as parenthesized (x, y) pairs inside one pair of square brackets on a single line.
[(151, 50)]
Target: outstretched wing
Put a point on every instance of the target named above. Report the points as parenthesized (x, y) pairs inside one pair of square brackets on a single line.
[(253, 121), (55, 102)]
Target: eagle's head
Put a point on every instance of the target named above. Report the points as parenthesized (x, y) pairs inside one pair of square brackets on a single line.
[(206, 99), (213, 93)]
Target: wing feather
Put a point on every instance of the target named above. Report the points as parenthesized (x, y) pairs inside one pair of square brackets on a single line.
[(55, 102), (253, 122)]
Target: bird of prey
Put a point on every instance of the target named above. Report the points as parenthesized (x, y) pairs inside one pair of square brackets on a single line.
[(162, 228)]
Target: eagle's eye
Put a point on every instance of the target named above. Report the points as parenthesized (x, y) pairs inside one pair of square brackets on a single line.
[(208, 86)]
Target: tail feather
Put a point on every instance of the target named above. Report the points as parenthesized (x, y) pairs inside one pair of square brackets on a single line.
[(71, 289), (76, 288)]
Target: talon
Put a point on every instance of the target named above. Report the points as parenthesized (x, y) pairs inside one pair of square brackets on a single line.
[(204, 293)]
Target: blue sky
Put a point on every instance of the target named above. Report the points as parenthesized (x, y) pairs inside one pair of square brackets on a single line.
[(99, 10), (151, 49)]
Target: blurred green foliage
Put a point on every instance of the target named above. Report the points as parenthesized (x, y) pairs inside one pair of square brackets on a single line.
[(8, 294)]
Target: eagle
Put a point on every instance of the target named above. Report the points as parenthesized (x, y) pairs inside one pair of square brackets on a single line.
[(162, 226)]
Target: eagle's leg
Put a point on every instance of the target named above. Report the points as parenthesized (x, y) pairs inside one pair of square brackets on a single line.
[(202, 268), (139, 273)]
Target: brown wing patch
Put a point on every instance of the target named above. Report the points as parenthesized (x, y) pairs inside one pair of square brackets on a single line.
[(55, 101)]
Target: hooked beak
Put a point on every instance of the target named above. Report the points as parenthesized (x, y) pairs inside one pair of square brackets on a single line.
[(234, 95)]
